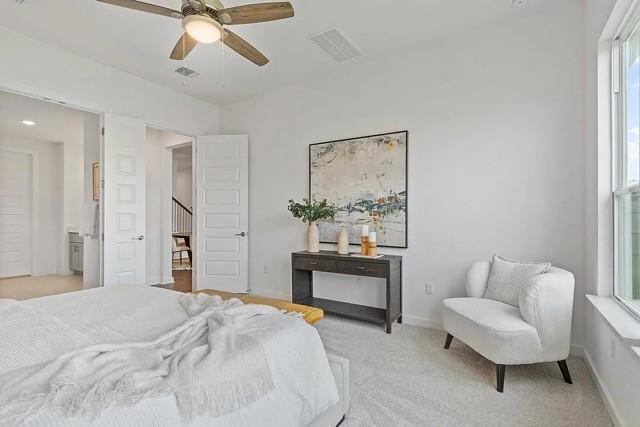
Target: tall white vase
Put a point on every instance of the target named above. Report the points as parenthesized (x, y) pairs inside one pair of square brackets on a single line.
[(313, 238), (343, 242)]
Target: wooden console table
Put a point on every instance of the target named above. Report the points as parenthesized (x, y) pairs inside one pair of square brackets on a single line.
[(389, 267)]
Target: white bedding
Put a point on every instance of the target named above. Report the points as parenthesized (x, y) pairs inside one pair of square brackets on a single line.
[(304, 385)]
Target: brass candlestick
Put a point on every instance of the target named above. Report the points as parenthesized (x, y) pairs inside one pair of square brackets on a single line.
[(364, 240), (372, 244)]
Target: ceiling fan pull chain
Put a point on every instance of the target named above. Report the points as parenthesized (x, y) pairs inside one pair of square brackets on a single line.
[(222, 53), (184, 77)]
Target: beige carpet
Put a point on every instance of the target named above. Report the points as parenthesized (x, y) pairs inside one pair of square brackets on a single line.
[(408, 379), (32, 287)]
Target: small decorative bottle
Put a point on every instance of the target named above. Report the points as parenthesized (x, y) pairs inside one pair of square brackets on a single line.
[(343, 242), (373, 244), (364, 240)]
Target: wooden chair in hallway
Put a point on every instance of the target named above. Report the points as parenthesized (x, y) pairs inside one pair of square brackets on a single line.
[(180, 246)]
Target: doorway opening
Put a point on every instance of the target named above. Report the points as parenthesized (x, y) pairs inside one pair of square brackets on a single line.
[(169, 212), (49, 220), (182, 217)]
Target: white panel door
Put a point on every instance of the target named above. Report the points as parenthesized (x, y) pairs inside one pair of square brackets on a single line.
[(222, 212), (15, 214), (124, 200)]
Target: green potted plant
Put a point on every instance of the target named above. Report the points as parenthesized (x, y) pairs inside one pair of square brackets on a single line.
[(310, 213)]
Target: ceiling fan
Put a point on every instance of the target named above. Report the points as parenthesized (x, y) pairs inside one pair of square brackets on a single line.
[(203, 22)]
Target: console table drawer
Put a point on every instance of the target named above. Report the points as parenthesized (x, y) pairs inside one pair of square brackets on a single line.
[(314, 264), (362, 268)]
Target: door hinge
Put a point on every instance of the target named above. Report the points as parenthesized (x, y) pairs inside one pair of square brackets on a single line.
[(102, 131), (102, 184), (102, 236)]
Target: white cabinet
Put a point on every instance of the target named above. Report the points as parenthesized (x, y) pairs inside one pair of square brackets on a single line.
[(76, 249)]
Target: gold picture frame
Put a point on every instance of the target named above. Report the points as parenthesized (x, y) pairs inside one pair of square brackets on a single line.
[(96, 181)]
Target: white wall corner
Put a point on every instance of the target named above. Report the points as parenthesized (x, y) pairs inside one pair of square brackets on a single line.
[(602, 390), (577, 350)]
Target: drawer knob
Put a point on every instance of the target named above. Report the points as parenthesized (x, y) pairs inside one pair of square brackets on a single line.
[(360, 267), (313, 263)]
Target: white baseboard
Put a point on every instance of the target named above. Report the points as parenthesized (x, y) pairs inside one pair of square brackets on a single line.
[(168, 280), (577, 350), (602, 389), (422, 322)]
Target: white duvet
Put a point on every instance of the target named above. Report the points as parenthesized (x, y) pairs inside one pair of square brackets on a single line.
[(303, 385)]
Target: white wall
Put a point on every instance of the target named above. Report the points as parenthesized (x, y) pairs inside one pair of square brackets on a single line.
[(33, 67), (182, 182), (73, 196), (46, 255), (91, 147), (496, 156), (73, 184)]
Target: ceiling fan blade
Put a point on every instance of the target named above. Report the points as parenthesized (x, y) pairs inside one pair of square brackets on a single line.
[(185, 44), (245, 49), (216, 4), (145, 7), (253, 13)]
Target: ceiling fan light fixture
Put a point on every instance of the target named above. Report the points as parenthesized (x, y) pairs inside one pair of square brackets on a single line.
[(202, 28)]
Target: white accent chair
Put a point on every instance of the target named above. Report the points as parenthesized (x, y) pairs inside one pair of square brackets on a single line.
[(539, 330)]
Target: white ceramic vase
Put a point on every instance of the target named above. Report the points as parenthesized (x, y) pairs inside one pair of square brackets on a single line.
[(313, 238), (343, 242)]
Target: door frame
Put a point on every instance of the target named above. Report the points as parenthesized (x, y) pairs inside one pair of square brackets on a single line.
[(167, 193), (34, 159)]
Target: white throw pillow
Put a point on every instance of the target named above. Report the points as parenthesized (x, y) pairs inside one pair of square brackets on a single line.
[(507, 277)]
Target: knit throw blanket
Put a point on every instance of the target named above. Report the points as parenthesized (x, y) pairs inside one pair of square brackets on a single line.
[(210, 367)]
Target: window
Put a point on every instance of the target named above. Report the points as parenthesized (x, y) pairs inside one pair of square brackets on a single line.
[(626, 136)]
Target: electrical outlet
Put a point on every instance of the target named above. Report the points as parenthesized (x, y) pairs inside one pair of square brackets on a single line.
[(428, 288), (613, 348), (265, 270)]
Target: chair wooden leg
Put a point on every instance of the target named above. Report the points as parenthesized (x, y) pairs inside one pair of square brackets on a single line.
[(447, 342), (500, 378), (565, 371)]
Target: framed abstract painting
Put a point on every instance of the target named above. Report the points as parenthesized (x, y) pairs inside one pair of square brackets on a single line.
[(366, 179)]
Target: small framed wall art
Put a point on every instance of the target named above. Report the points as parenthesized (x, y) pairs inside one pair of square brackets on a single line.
[(96, 181)]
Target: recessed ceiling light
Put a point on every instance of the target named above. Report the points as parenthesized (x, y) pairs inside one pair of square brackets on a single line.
[(28, 122)]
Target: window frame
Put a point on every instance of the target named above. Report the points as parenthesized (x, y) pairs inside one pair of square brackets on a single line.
[(620, 188)]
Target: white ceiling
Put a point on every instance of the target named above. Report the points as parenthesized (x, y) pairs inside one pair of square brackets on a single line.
[(140, 43), (54, 122)]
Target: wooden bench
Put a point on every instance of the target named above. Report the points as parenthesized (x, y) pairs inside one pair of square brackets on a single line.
[(311, 315)]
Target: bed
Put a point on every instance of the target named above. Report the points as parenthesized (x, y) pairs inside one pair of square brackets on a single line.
[(309, 386)]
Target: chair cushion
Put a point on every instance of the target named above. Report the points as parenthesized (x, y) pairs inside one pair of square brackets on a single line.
[(494, 329), (477, 277), (507, 277)]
